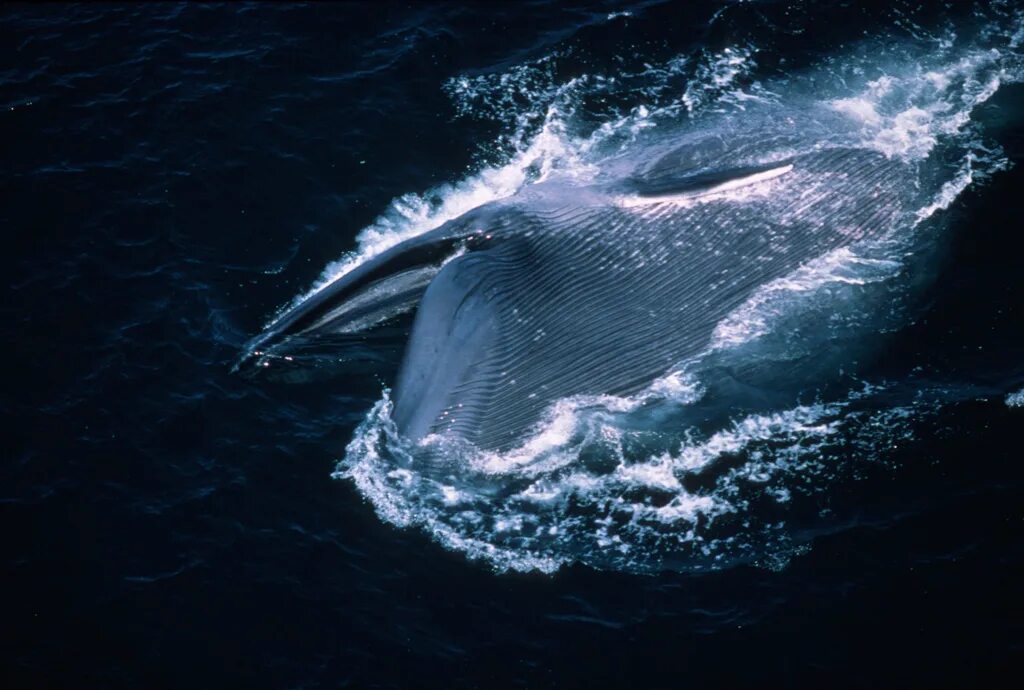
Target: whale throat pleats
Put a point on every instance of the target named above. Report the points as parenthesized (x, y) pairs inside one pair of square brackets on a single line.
[(604, 299)]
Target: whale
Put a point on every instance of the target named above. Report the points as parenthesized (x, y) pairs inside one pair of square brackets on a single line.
[(597, 286)]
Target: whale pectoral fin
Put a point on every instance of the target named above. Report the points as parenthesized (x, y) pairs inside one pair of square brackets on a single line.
[(671, 183)]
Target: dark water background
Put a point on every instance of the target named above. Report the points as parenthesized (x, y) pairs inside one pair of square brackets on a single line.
[(172, 174)]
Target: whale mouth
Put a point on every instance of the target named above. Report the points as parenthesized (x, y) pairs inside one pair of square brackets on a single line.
[(372, 355), (355, 307), (321, 336)]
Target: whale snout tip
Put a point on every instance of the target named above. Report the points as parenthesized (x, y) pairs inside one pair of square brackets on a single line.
[(258, 354), (266, 364), (250, 363)]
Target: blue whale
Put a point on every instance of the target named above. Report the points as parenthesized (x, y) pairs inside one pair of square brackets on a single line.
[(570, 288)]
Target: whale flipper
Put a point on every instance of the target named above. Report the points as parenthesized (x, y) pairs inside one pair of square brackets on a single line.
[(688, 182)]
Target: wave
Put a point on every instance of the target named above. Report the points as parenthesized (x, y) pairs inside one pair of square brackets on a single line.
[(714, 463)]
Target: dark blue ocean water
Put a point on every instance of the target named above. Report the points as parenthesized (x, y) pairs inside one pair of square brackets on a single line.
[(173, 174)]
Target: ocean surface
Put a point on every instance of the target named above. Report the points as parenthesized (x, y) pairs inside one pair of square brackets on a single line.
[(175, 176)]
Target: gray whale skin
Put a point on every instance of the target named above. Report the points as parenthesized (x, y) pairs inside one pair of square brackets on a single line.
[(566, 289)]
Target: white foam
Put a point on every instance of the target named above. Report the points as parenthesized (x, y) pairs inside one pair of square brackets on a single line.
[(993, 161), (558, 425), (717, 75), (906, 114), (569, 511), (677, 386), (1015, 399)]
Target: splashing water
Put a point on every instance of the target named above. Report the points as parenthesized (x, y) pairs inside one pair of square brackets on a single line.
[(1015, 399), (675, 478)]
